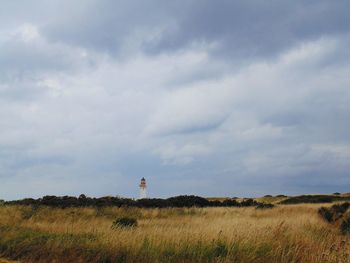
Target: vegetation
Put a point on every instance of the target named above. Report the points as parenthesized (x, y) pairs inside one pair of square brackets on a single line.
[(125, 222), (336, 213), (293, 233), (177, 201), (264, 206), (345, 225), (313, 199), (326, 213)]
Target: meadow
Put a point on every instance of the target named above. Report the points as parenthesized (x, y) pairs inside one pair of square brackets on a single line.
[(285, 233)]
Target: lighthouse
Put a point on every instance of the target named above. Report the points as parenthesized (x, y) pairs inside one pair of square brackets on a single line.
[(143, 188)]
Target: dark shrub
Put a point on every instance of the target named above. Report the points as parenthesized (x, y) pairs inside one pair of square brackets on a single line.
[(264, 206), (326, 214), (125, 222), (281, 196), (187, 201), (82, 197), (336, 193), (220, 249), (345, 225), (177, 201), (216, 203), (267, 195), (154, 202), (230, 202), (309, 199), (249, 202), (335, 212), (342, 208), (339, 210)]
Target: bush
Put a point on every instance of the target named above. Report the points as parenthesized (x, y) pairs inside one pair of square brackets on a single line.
[(230, 202), (249, 202), (345, 225), (116, 201), (264, 206), (326, 214), (335, 212), (336, 193), (125, 222), (187, 201), (339, 210), (311, 199)]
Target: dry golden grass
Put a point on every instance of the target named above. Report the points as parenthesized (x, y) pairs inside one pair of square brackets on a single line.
[(221, 199), (293, 233), (7, 261), (271, 200)]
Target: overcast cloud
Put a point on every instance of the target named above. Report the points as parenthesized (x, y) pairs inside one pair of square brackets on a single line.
[(214, 98)]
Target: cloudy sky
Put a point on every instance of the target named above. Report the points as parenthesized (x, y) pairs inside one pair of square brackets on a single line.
[(213, 98)]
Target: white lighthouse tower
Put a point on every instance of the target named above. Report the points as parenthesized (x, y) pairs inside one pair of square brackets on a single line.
[(143, 188)]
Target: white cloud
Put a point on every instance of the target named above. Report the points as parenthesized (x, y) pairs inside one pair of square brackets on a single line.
[(184, 154), (27, 33)]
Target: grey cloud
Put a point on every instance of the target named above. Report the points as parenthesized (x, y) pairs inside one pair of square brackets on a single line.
[(201, 97), (255, 29), (19, 58), (240, 30), (105, 25)]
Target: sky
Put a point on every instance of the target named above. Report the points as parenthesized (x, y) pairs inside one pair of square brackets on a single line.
[(212, 98)]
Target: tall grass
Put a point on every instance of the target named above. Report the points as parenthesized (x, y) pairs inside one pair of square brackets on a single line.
[(293, 233)]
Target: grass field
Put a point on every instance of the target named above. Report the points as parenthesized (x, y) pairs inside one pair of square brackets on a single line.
[(286, 233)]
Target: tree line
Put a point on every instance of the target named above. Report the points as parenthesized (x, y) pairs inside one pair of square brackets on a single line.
[(177, 201)]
